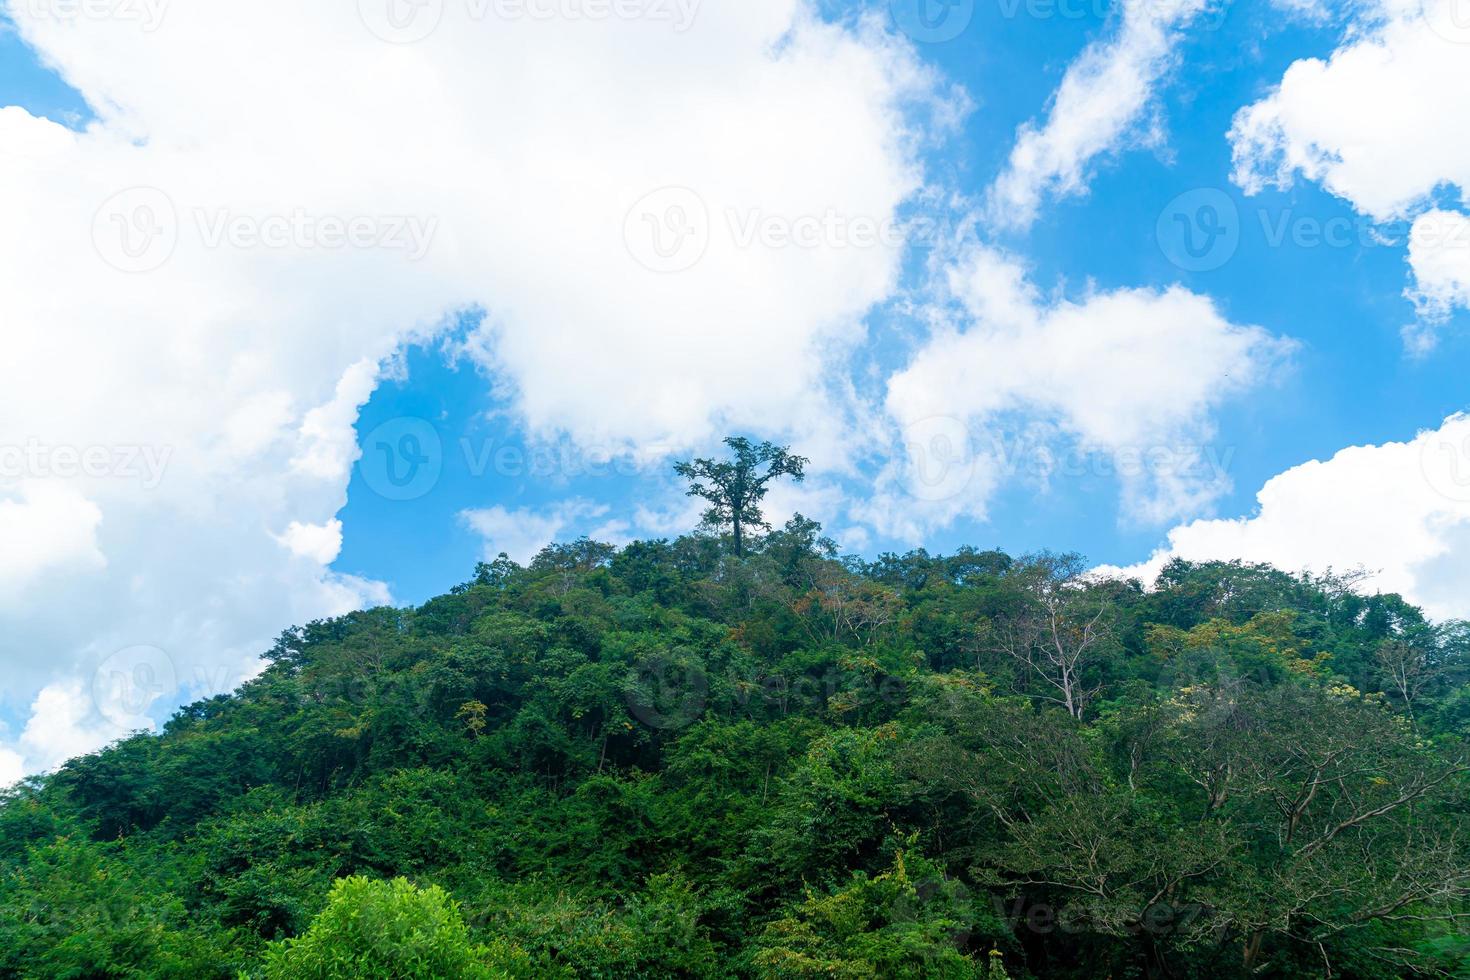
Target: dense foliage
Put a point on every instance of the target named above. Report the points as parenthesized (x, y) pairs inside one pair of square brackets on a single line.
[(666, 760)]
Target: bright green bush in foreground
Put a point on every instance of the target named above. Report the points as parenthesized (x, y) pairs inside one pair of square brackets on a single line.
[(387, 929)]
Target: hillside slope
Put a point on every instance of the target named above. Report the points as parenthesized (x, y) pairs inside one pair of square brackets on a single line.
[(663, 761)]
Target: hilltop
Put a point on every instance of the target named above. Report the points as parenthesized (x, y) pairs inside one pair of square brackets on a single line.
[(667, 760)]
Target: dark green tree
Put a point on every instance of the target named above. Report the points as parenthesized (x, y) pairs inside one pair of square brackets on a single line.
[(735, 488)]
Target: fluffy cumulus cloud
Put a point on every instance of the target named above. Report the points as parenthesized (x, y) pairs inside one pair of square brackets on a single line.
[(1015, 383), (319, 542), (1102, 99), (1400, 511), (1378, 123), (1439, 254), (200, 288)]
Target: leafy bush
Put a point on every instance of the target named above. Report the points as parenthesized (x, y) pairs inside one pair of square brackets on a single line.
[(388, 929)]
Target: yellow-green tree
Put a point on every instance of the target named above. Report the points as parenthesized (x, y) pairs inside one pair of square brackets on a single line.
[(388, 929)]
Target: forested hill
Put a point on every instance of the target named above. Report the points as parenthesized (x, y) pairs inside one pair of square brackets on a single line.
[(667, 760)]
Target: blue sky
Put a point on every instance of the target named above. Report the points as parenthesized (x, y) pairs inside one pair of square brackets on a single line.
[(1350, 383), (1178, 226)]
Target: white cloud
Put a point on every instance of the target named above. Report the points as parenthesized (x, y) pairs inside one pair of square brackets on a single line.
[(1379, 123), (1375, 123), (63, 724), (326, 443), (1400, 510), (1439, 254), (523, 532), (12, 767), (1021, 382), (215, 270), (45, 527), (1100, 102), (319, 542), (669, 517), (1315, 11)]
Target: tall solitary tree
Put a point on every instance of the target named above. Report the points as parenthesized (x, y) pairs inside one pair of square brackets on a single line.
[(736, 487)]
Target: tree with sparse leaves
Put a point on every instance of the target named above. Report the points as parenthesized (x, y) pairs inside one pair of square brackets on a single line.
[(1059, 628), (736, 487)]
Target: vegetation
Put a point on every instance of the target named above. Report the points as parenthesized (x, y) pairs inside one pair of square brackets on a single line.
[(666, 760), (381, 929)]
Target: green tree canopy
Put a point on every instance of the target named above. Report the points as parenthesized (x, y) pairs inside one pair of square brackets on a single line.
[(653, 761), (736, 487)]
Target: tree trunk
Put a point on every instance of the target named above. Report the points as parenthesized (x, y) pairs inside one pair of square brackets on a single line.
[(1253, 950), (735, 516)]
